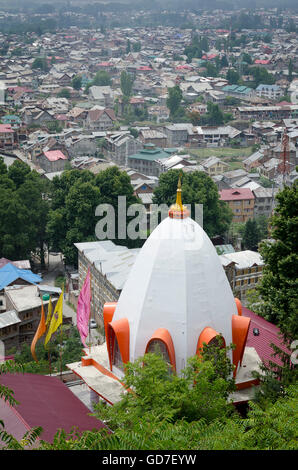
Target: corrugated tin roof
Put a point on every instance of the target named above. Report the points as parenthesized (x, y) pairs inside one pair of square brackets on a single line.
[(10, 273), (9, 318), (47, 402)]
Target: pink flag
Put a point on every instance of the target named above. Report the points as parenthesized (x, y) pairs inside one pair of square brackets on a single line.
[(83, 310)]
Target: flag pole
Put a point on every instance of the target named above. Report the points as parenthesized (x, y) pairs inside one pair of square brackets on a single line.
[(90, 313), (49, 351), (61, 337)]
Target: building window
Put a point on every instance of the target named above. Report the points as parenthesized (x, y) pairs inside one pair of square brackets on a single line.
[(158, 347), (117, 359)]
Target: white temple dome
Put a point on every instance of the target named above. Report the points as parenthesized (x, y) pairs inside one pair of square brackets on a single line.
[(177, 283)]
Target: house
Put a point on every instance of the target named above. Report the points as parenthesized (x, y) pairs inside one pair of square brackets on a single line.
[(176, 162), (102, 96), (7, 140), (26, 302), (15, 272), (214, 135), (36, 115), (214, 166), (271, 92), (270, 168), (52, 160), (266, 112), (147, 160), (100, 119), (230, 177), (241, 202), (254, 161), (82, 145), (178, 134), (248, 267), (13, 120), (152, 136), (120, 145), (241, 92), (264, 201)]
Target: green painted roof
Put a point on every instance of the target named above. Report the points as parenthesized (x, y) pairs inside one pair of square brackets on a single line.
[(151, 152)]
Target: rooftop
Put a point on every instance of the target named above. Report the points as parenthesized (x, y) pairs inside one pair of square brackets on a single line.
[(63, 409), (236, 194)]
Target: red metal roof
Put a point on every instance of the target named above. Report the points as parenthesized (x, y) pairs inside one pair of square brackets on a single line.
[(236, 194), (269, 333), (44, 401), (262, 61), (22, 264), (54, 155), (6, 128)]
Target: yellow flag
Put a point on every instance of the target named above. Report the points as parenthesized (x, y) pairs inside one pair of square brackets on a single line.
[(56, 319), (49, 315), (39, 332)]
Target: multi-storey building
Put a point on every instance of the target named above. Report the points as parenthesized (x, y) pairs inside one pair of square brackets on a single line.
[(241, 201), (244, 270), (19, 323), (6, 137), (109, 266)]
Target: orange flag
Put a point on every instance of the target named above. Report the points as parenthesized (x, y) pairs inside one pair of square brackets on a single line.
[(39, 332)]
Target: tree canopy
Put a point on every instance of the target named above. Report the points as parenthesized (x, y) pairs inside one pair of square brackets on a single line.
[(278, 286), (197, 188), (75, 196), (22, 204)]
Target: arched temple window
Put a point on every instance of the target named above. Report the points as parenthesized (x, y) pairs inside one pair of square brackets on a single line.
[(161, 343)]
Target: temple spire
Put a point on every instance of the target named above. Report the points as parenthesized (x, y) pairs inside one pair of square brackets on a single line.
[(178, 210)]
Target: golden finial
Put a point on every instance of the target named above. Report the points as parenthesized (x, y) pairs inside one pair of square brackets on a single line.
[(177, 210)]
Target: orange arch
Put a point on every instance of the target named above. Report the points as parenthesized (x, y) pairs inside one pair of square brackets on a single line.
[(239, 306), (207, 336), (240, 327), (164, 336), (108, 313), (120, 329)]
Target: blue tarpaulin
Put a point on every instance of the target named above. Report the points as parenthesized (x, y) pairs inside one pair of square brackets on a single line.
[(10, 273)]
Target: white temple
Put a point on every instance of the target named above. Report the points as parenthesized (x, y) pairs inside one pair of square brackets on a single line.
[(177, 296)]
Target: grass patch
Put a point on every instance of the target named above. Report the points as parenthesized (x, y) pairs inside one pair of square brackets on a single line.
[(220, 152)]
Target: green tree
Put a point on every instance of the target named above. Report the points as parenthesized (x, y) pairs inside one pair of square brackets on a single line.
[(75, 196), (278, 285), (40, 63), (233, 77), (64, 93), (251, 236), (3, 167), (261, 76), (214, 115), (290, 70), (197, 188), (126, 83), (76, 82), (23, 204), (164, 395), (136, 47), (262, 227), (174, 99), (102, 78)]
